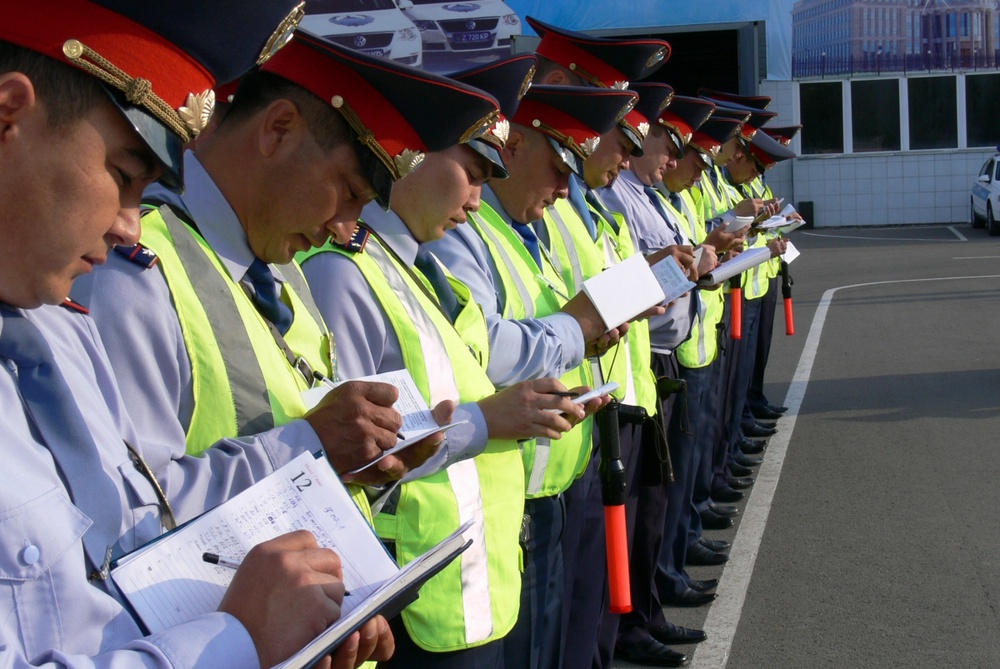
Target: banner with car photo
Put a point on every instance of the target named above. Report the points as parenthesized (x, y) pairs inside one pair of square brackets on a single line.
[(440, 37)]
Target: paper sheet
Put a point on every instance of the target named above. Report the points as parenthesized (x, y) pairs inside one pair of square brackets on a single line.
[(671, 278), (168, 583), (418, 421)]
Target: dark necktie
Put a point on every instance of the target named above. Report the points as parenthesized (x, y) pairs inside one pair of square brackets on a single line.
[(430, 268), (596, 202), (576, 199), (714, 174), (52, 409), (530, 240), (267, 296), (654, 197)]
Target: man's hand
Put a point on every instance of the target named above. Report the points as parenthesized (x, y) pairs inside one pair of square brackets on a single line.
[(707, 263), (778, 246), (286, 591), (599, 346), (373, 641), (355, 422), (752, 206), (591, 325), (530, 409), (394, 467)]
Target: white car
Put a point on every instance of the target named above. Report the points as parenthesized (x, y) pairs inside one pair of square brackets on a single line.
[(986, 197), (467, 31), (374, 27)]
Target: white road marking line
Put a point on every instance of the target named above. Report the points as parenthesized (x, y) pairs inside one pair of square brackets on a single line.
[(958, 234), (883, 239), (724, 615)]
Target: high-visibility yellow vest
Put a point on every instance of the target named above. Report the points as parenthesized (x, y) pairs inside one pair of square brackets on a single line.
[(475, 599), (243, 382), (578, 257), (531, 292), (702, 347)]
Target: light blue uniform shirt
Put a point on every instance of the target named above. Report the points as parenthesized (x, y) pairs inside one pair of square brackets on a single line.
[(49, 613), (134, 311), (520, 350), (366, 342), (651, 232)]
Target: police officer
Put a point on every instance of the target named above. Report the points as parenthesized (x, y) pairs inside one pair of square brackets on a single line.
[(394, 305), (534, 325), (222, 346), (96, 100), (657, 223)]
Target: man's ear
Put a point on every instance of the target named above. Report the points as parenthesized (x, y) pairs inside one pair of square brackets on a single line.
[(556, 77), (281, 125), (515, 140), (17, 98)]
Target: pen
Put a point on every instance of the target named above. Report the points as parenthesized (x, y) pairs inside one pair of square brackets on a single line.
[(212, 558), (319, 376)]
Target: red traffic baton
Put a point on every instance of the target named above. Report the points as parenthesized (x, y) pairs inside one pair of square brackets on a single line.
[(612, 475), (786, 292), (736, 307)]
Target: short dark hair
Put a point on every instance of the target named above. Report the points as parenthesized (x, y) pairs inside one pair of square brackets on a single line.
[(259, 89), (68, 94)]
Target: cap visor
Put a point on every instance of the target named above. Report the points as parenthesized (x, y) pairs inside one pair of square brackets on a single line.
[(166, 147), (633, 137), (491, 154), (571, 159)]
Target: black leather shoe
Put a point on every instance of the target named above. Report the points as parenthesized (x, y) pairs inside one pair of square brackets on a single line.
[(673, 635), (777, 409), (726, 494), (699, 556), (701, 586), (752, 446), (651, 653), (722, 510), (714, 544), (747, 460), (765, 413), (758, 430), (713, 521), (691, 598), (740, 483), (739, 470)]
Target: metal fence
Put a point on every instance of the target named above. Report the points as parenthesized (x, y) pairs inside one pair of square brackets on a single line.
[(809, 66)]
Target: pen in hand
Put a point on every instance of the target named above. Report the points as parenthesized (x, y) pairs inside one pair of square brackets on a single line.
[(212, 558), (319, 376)]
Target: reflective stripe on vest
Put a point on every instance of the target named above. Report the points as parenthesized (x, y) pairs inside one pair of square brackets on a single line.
[(701, 348), (547, 473), (242, 382), (486, 489)]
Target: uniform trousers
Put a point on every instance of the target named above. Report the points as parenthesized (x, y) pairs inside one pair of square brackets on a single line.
[(726, 374), (651, 509), (534, 643), (409, 655), (744, 370), (708, 437), (769, 303), (687, 422)]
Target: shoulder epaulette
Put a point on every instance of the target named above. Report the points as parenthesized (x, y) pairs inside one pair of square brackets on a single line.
[(72, 305), (356, 244), (138, 254)]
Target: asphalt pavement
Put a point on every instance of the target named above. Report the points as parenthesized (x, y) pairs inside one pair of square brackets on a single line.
[(872, 535)]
